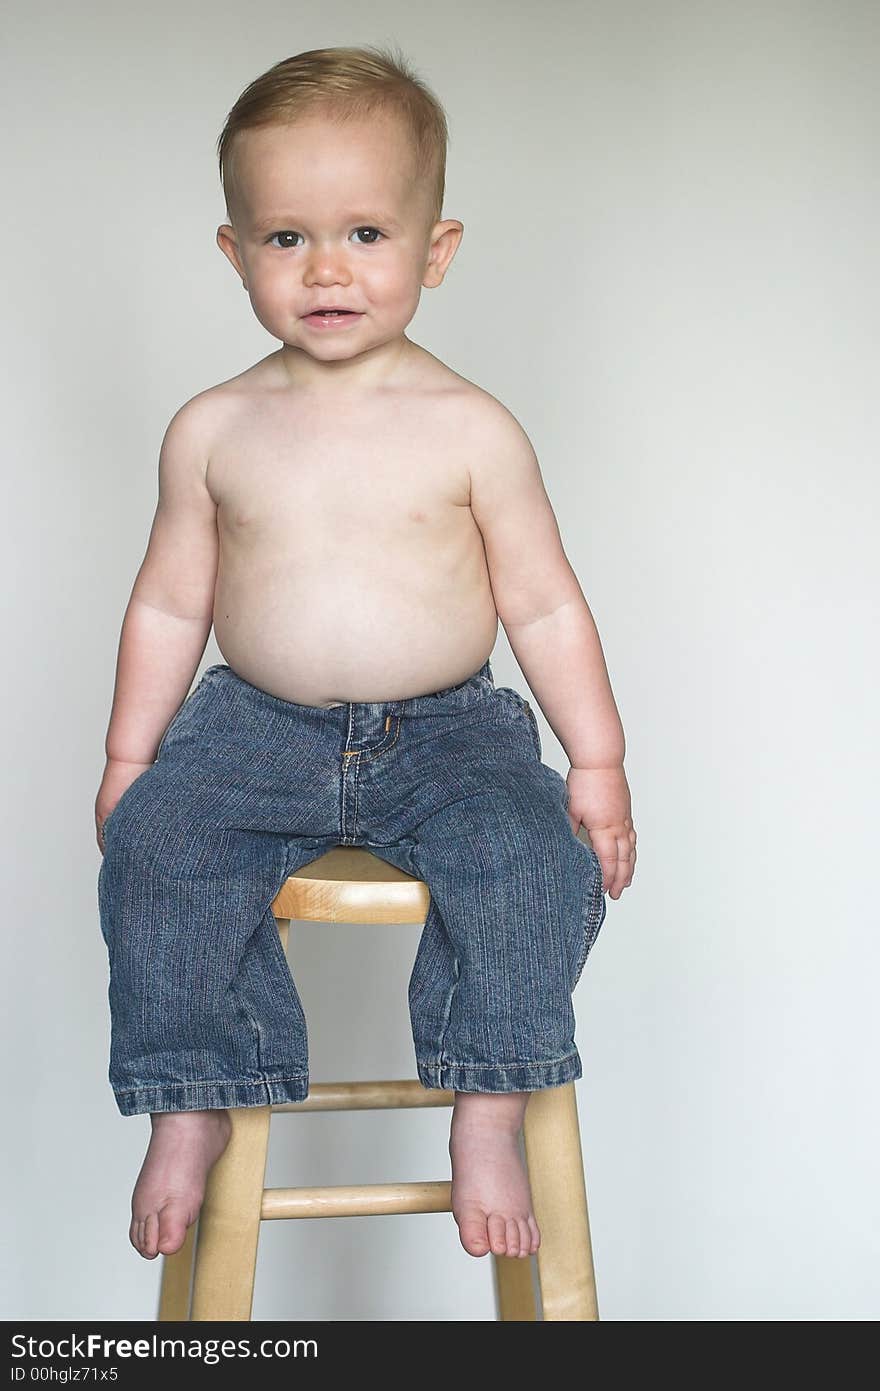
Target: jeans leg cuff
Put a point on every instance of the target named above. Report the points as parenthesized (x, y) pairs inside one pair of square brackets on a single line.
[(499, 1077), (210, 1096)]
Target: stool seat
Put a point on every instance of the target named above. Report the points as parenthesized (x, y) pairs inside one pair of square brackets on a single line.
[(212, 1276), (349, 885)]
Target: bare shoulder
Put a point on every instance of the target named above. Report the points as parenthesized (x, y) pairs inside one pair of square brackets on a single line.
[(502, 433), (500, 453), (193, 424), (489, 428), (195, 427), (211, 408), (507, 489)]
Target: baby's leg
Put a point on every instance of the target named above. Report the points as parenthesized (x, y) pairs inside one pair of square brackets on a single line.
[(204, 1013), (516, 903)]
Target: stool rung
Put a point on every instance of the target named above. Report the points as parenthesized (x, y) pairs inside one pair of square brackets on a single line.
[(365, 1200), (368, 1096)]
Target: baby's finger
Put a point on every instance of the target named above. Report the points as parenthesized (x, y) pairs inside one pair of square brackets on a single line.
[(607, 857), (624, 866)]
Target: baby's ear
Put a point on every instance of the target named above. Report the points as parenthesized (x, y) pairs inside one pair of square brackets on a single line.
[(445, 240), (228, 244)]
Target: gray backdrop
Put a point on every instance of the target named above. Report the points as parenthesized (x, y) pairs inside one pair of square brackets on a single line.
[(669, 275)]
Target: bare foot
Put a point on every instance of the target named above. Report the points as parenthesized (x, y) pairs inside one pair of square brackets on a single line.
[(491, 1199), (171, 1184)]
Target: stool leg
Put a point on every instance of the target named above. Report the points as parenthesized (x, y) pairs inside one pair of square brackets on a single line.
[(514, 1288), (229, 1222), (176, 1280), (556, 1176)]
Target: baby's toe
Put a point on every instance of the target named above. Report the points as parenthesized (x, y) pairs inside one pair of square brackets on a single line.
[(512, 1235), (525, 1237), (536, 1235), (150, 1236), (473, 1233), (497, 1226), (172, 1228)]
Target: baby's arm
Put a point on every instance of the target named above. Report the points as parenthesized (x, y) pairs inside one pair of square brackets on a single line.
[(553, 636), (169, 615), (537, 595)]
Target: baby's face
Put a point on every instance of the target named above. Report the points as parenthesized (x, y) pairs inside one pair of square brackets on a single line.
[(330, 215)]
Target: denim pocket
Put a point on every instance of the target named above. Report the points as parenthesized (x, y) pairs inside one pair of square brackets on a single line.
[(187, 708), (593, 915), (111, 815), (178, 720), (536, 733), (526, 711)]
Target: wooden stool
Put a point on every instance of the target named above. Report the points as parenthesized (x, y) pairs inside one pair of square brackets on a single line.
[(212, 1275)]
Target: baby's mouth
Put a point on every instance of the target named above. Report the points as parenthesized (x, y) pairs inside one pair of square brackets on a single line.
[(326, 318)]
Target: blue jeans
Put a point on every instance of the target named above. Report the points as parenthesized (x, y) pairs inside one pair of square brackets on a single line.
[(247, 788)]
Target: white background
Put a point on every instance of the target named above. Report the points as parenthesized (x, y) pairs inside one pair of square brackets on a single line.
[(669, 275)]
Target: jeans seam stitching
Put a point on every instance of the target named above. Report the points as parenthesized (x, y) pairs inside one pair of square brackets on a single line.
[(208, 1082), (497, 1067), (386, 744)]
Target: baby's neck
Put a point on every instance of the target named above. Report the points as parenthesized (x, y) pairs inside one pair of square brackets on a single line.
[(385, 366)]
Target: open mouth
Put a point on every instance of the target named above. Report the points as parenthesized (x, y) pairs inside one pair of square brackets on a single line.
[(330, 318)]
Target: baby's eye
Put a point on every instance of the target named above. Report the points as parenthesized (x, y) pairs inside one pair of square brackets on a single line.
[(282, 234), (287, 246)]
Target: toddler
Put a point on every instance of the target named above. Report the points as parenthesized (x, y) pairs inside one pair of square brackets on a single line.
[(353, 518)]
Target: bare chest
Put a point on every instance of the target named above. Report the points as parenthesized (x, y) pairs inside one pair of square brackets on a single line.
[(349, 486)]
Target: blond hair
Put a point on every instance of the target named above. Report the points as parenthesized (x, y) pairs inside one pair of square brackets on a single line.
[(343, 83)]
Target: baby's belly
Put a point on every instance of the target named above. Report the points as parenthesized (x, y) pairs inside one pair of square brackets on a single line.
[(325, 636)]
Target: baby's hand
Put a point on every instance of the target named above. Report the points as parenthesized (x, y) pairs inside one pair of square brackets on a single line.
[(118, 777), (599, 800)]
